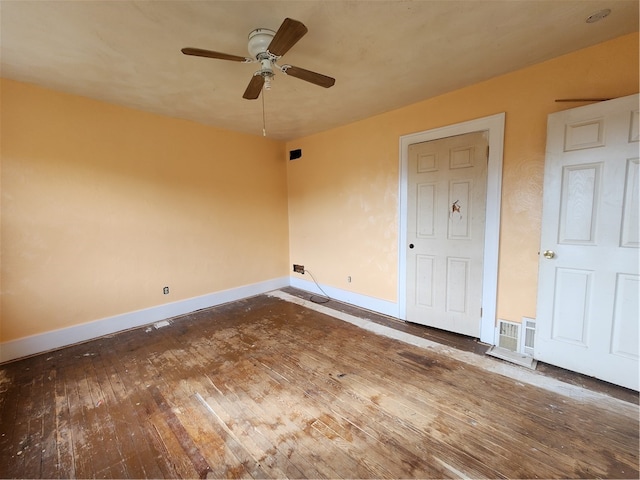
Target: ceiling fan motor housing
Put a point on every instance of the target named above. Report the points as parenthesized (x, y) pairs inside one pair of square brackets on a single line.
[(259, 41)]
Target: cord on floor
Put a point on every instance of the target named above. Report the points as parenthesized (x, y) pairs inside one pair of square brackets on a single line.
[(311, 298)]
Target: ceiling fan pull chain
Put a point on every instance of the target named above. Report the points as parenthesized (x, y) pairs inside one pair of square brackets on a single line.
[(264, 125)]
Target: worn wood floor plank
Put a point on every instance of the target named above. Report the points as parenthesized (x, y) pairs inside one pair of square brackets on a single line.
[(247, 340), (65, 461), (286, 435), (520, 427), (348, 405), (294, 464), (20, 433), (370, 399), (433, 417), (112, 394), (101, 426), (224, 463), (137, 407), (84, 442), (181, 392), (263, 388), (272, 428), (48, 433), (349, 466), (281, 451), (178, 462), (33, 446), (9, 411), (536, 464), (286, 426), (363, 411)]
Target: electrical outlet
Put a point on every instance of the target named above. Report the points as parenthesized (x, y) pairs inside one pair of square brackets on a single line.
[(298, 268), (165, 290)]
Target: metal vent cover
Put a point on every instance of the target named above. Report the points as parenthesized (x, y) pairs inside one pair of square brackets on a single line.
[(529, 335), (509, 335)]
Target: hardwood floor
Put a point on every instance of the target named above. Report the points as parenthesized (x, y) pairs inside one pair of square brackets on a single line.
[(264, 388), (467, 344)]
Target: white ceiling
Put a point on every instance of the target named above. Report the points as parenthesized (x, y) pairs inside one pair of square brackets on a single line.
[(383, 54)]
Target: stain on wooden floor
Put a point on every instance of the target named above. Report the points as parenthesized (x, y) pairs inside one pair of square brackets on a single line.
[(264, 388)]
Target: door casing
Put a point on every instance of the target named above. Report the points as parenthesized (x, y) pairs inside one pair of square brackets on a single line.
[(494, 125)]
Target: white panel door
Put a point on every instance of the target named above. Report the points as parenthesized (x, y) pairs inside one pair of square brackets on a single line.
[(446, 198), (588, 286)]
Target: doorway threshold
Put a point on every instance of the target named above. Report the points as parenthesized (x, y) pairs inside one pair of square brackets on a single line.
[(514, 357)]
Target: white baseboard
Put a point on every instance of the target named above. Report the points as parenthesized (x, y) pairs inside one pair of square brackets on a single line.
[(384, 307), (26, 346), (43, 342)]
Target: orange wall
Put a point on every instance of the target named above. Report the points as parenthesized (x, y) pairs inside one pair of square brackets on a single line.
[(343, 192), (102, 206)]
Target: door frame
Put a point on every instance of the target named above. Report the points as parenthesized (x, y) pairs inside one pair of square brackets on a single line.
[(494, 125)]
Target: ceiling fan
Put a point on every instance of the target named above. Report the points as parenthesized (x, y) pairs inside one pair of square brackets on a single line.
[(267, 47)]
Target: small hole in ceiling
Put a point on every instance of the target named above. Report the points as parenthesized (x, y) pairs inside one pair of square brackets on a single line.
[(596, 17)]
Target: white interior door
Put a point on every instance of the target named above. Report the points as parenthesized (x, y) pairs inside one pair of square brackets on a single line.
[(587, 312), (446, 198)]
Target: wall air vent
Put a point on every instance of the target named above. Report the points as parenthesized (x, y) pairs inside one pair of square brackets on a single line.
[(528, 339), (509, 335), (512, 346)]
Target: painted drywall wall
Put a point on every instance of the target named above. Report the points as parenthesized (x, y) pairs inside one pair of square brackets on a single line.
[(103, 206), (343, 192)]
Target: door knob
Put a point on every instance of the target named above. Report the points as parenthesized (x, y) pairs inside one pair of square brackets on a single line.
[(411, 245), (549, 254)]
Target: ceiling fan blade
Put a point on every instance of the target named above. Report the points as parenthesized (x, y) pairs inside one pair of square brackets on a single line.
[(309, 76), (287, 36), (254, 88), (199, 52)]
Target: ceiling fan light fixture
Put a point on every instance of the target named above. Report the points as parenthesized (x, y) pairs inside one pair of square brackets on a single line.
[(259, 41)]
